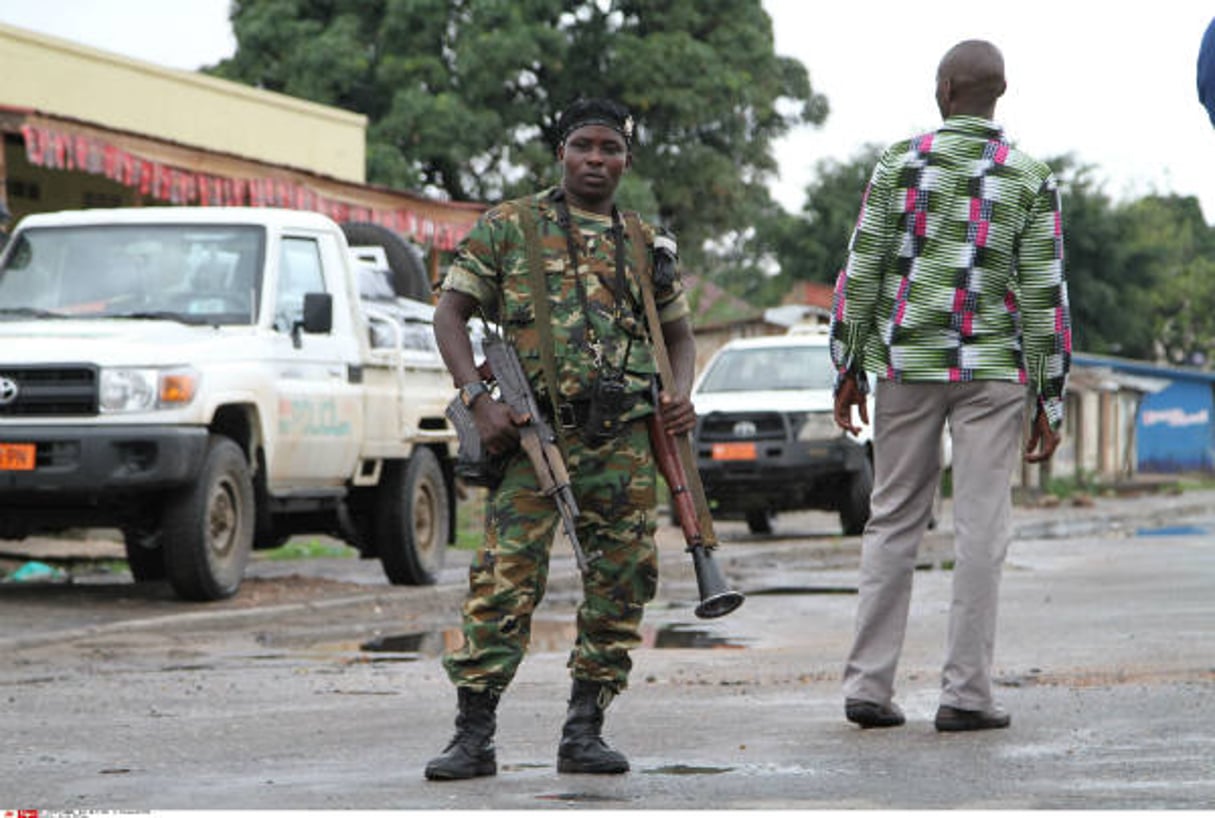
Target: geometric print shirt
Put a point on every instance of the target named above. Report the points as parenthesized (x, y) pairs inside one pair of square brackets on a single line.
[(955, 268)]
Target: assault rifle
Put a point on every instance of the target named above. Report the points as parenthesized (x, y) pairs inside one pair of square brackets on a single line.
[(536, 437)]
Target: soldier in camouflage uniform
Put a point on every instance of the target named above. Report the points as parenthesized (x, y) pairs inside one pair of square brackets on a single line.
[(598, 334)]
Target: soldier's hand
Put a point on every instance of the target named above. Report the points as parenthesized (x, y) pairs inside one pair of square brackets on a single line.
[(498, 425), (678, 413)]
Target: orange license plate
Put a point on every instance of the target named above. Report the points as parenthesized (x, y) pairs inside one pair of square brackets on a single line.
[(16, 456), (734, 451)]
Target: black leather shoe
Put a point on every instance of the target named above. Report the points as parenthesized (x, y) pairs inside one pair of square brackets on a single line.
[(956, 720), (872, 714)]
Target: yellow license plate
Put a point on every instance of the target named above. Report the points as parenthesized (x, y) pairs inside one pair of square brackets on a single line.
[(17, 456), (734, 451)]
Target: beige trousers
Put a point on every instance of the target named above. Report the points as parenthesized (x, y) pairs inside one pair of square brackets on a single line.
[(986, 422)]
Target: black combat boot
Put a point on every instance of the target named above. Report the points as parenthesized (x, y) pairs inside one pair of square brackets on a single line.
[(582, 749), (470, 753)]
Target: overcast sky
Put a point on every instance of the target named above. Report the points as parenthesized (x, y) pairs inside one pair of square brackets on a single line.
[(1113, 83)]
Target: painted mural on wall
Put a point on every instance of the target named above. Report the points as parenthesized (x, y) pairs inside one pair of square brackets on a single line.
[(1175, 429)]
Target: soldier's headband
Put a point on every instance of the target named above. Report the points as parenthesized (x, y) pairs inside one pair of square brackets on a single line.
[(623, 127)]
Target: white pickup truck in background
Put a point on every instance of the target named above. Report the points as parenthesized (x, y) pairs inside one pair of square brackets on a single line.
[(211, 380), (766, 437)]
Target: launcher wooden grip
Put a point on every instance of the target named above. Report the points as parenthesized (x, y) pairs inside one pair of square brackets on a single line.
[(673, 472)]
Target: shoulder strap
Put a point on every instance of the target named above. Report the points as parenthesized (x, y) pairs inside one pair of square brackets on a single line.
[(645, 280), (535, 267), (683, 443)]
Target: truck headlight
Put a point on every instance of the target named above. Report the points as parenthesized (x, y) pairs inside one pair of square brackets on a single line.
[(142, 389), (814, 426)]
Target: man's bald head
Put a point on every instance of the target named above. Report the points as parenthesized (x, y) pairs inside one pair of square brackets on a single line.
[(970, 79)]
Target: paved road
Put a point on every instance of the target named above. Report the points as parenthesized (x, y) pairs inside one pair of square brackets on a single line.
[(328, 694)]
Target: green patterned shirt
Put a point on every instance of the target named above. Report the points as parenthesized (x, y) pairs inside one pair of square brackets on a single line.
[(955, 268)]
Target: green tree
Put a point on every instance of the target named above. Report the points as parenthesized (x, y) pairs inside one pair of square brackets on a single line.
[(1169, 241), (1111, 279), (463, 96), (813, 244), (762, 261)]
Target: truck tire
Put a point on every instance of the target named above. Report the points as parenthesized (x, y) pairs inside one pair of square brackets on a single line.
[(145, 556), (411, 520), (854, 510), (759, 521), (208, 527), (409, 276)]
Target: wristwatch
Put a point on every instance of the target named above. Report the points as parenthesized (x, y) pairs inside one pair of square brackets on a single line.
[(472, 390)]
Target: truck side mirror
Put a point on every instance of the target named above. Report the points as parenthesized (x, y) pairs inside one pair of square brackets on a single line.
[(318, 317)]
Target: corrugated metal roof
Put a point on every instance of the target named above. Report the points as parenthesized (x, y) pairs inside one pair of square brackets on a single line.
[(1144, 368)]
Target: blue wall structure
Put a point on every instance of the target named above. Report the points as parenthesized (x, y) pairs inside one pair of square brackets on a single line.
[(1175, 429)]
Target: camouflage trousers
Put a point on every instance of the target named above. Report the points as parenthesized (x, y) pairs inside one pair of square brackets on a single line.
[(614, 486)]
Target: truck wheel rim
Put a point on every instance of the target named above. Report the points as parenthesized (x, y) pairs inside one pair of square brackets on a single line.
[(424, 516), (221, 519)]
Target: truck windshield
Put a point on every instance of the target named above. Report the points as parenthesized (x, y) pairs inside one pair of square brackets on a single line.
[(189, 272), (760, 369)]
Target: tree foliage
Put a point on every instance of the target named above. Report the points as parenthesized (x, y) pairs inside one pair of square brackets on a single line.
[(813, 244), (1101, 281), (463, 96), (1167, 238), (1139, 272)]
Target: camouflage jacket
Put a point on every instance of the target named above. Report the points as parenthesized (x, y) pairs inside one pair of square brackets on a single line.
[(491, 266)]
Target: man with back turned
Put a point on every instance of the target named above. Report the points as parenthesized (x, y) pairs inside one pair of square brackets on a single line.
[(954, 296)]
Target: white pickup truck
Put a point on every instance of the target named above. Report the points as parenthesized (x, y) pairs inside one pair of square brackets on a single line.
[(209, 381)]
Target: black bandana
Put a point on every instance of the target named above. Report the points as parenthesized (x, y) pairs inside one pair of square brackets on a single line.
[(603, 112)]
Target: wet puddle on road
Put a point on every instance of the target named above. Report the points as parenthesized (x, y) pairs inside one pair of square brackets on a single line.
[(581, 797), (687, 769), (407, 645), (795, 590), (546, 637), (596, 798), (685, 636), (1064, 529), (1174, 531)]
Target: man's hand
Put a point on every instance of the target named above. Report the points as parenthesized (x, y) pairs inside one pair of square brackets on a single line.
[(848, 396), (678, 414), (498, 425), (1042, 438)]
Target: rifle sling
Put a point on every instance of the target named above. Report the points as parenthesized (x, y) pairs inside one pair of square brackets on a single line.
[(535, 266)]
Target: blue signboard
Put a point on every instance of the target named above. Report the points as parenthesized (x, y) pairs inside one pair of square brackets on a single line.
[(1175, 428)]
